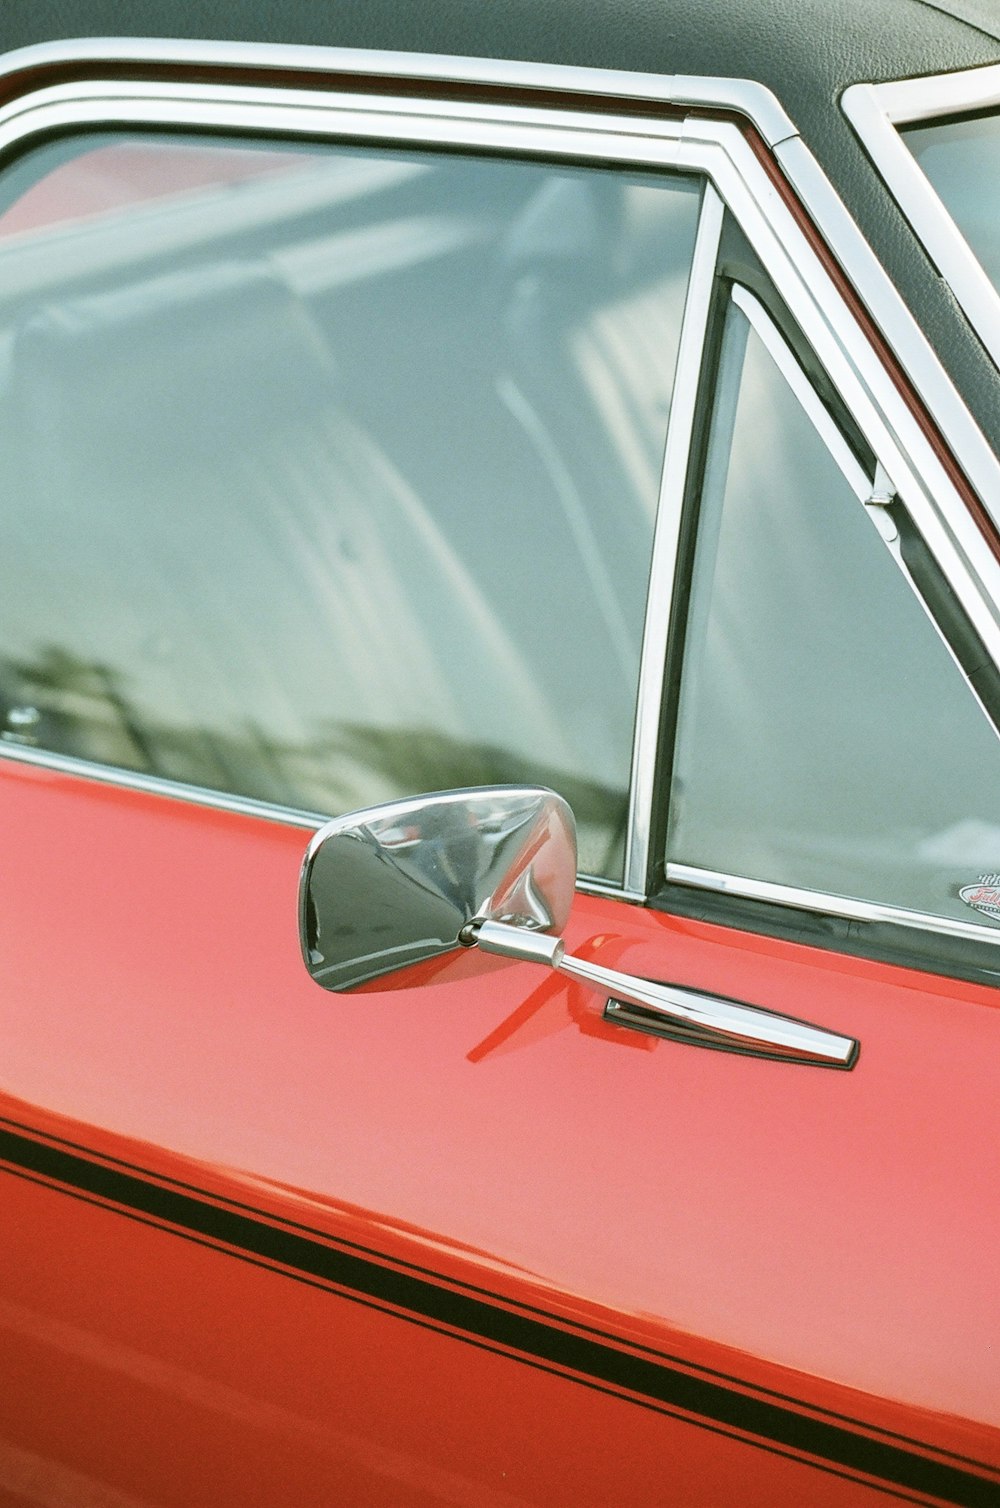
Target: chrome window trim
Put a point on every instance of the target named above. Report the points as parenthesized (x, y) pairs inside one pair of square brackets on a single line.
[(159, 785), (824, 902), (870, 491), (745, 96), (903, 335), (876, 111), (805, 394), (866, 490), (241, 806), (666, 539), (715, 149)]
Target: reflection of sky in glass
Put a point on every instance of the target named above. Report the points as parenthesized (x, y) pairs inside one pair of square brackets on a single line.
[(352, 470), (962, 161)]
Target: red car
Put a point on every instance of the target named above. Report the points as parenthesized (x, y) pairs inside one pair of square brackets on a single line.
[(500, 401)]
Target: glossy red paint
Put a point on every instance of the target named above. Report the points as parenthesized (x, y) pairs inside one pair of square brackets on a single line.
[(806, 1241), (241, 1386)]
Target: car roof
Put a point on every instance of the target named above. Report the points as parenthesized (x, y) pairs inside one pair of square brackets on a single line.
[(806, 51)]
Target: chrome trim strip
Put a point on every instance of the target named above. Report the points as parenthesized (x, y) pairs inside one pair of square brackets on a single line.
[(905, 337), (903, 102), (875, 111), (665, 540), (303, 111), (223, 801), (745, 96), (893, 432), (585, 885), (155, 785), (798, 382), (865, 489), (821, 901)]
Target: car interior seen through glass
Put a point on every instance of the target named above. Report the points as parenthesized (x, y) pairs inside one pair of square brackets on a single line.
[(389, 528)]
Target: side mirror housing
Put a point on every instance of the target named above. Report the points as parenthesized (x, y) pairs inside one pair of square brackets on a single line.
[(395, 885)]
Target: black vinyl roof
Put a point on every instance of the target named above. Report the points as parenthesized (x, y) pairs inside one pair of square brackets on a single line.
[(806, 51)]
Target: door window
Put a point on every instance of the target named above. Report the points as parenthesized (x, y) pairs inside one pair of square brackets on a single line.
[(826, 740), (330, 473)]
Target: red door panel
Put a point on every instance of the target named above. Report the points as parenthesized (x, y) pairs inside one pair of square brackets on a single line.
[(797, 1256), (173, 1374)]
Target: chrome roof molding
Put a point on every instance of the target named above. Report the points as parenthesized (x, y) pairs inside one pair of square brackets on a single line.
[(876, 111), (903, 102), (746, 97)]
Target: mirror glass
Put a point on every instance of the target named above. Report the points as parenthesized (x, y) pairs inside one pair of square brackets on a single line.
[(396, 885)]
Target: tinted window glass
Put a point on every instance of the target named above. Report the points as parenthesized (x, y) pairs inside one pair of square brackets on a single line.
[(961, 160), (331, 473), (826, 739)]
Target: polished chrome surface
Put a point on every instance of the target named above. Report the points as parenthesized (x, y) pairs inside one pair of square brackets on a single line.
[(820, 418), (823, 902), (666, 538), (710, 1021), (881, 499), (402, 884), (399, 884), (667, 1010), (516, 942), (875, 111), (892, 430), (156, 785), (905, 101), (904, 336), (745, 96)]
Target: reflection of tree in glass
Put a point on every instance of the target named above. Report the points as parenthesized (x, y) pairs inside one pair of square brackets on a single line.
[(87, 709), (399, 755), (74, 694), (413, 760)]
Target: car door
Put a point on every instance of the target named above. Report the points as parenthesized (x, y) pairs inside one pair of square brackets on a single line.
[(344, 440)]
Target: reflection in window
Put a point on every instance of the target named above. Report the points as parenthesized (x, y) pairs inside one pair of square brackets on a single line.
[(826, 739), (335, 480)]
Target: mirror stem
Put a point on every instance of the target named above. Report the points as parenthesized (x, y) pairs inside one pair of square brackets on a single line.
[(668, 1010), (517, 942)]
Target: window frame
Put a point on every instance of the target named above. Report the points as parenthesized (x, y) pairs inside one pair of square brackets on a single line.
[(758, 897), (581, 116), (876, 112)]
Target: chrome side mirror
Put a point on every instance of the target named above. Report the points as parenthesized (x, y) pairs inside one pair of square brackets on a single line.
[(395, 885), (495, 869)]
